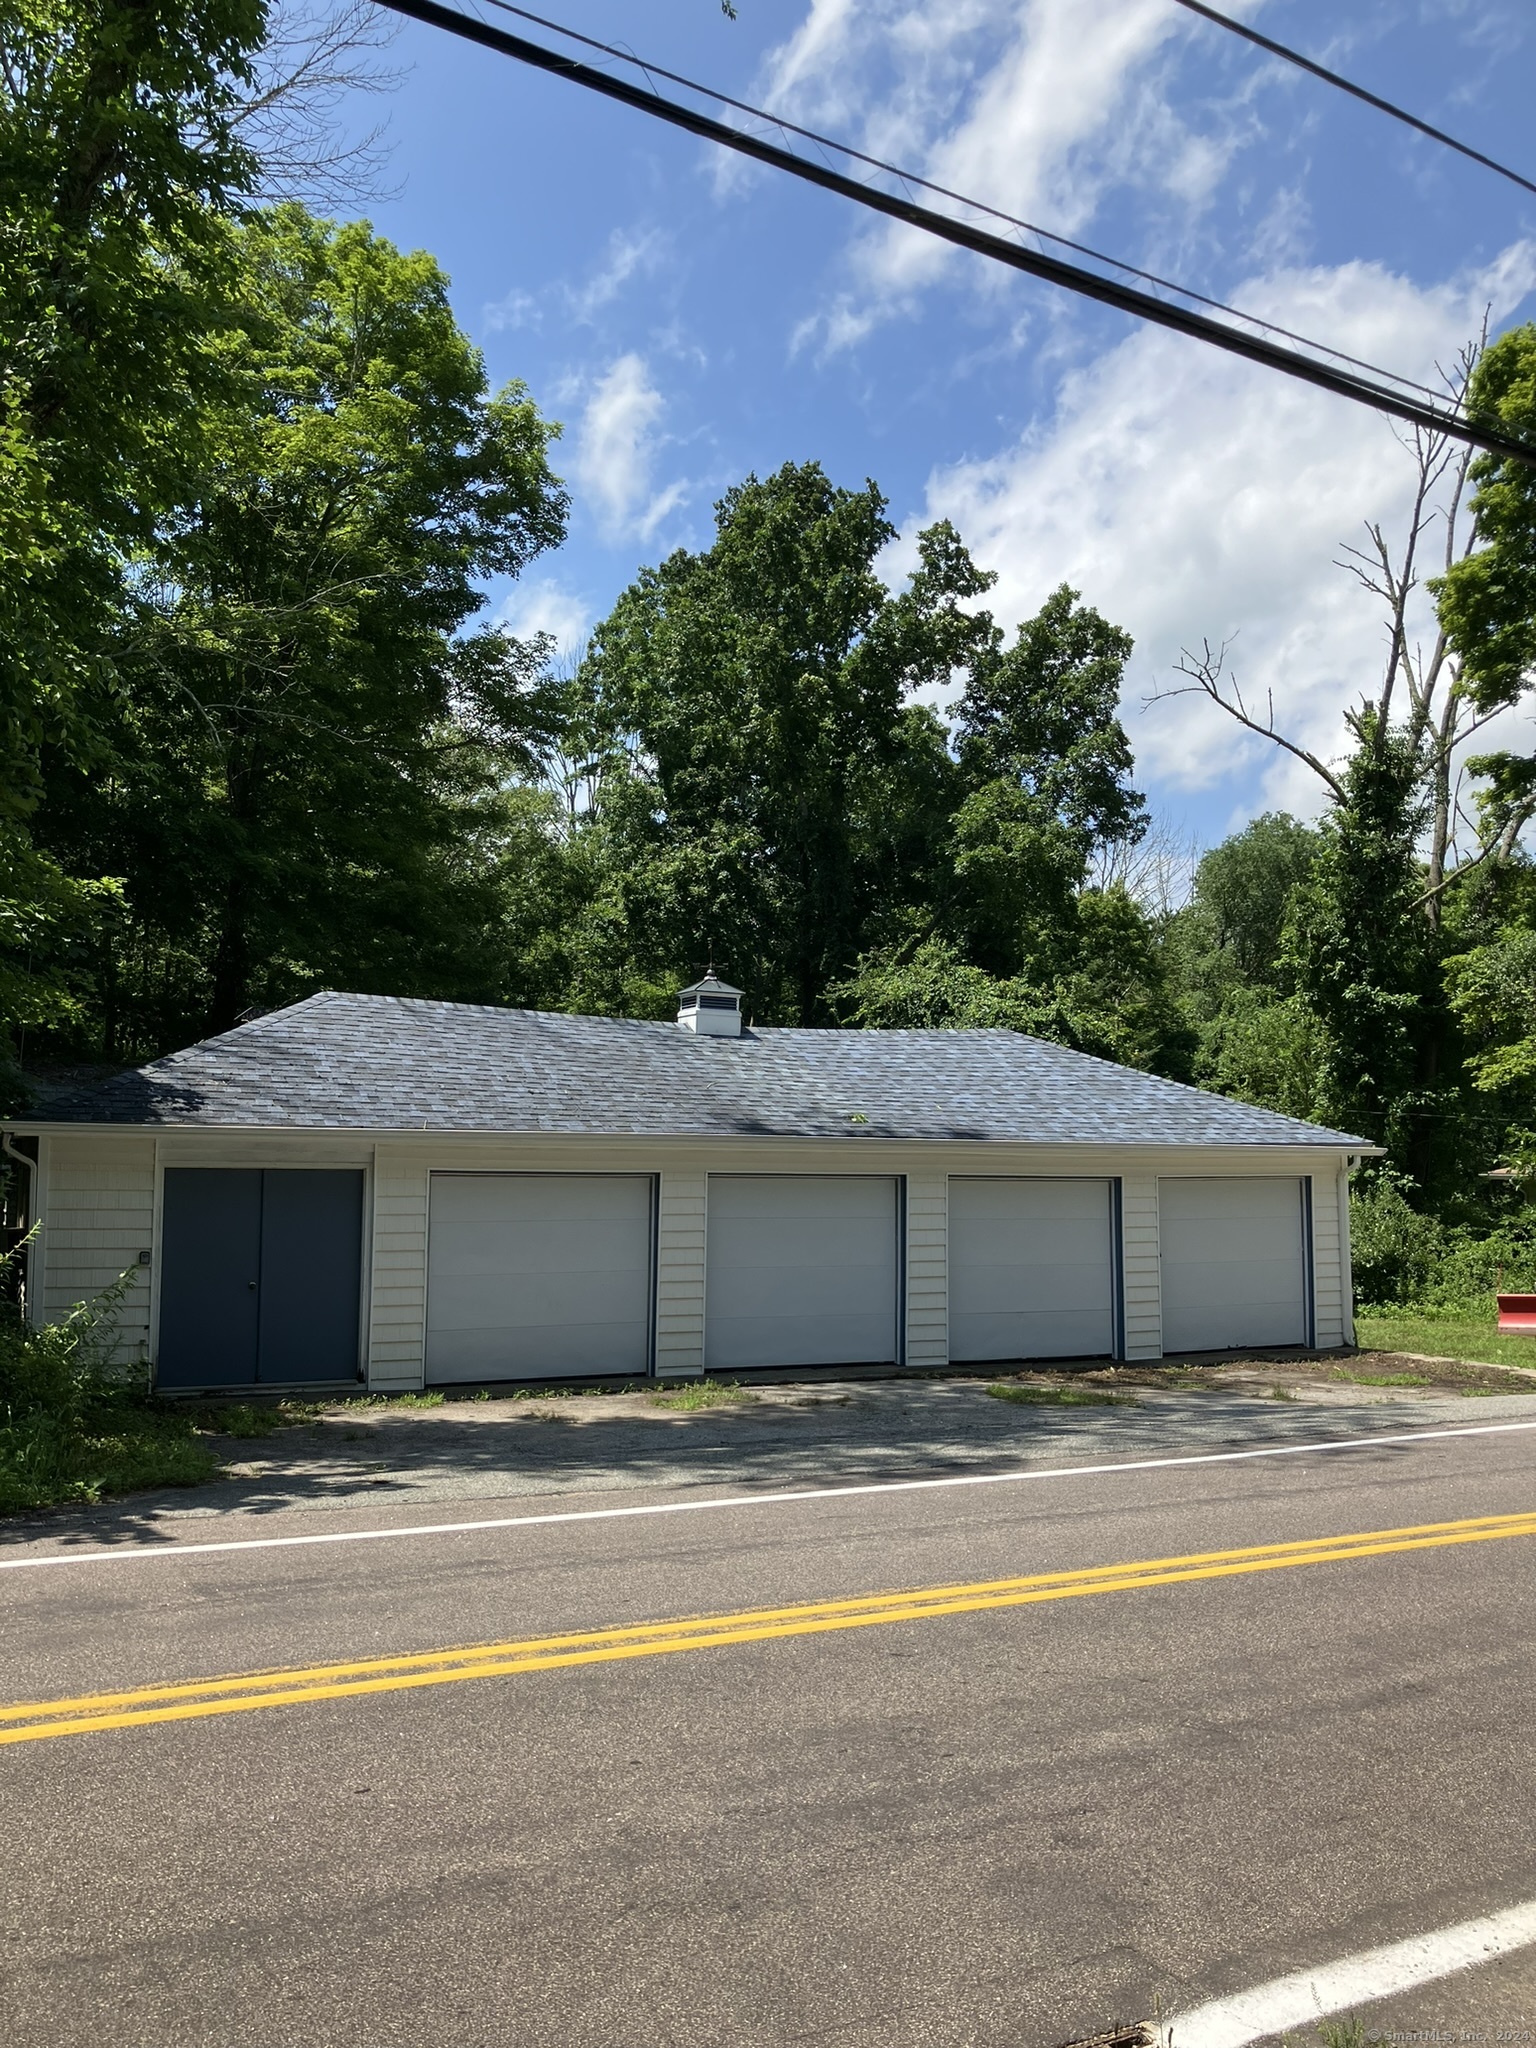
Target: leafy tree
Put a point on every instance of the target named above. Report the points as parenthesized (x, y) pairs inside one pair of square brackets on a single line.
[(121, 175), (1045, 765), (773, 797), (1488, 598), (1258, 1040), (1243, 890), (303, 760), (1367, 961), (1393, 885), (1113, 1001), (1265, 1050)]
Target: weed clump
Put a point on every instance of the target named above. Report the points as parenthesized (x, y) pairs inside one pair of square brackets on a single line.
[(76, 1422), (1031, 1394), (704, 1394)]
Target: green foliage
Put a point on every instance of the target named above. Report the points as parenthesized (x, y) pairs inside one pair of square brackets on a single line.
[(1242, 897), (120, 173), (1045, 765), (764, 792), (1112, 1001), (1493, 992), (768, 796), (1366, 961), (1488, 601), (121, 169), (309, 762), (1264, 1050), (1404, 1258), (1395, 1250), (47, 923), (74, 1423)]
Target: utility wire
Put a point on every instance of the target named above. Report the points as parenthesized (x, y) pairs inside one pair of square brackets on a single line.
[(1252, 35), (1433, 417), (724, 99)]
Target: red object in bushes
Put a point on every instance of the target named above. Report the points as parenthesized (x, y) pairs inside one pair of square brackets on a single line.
[(1517, 1314)]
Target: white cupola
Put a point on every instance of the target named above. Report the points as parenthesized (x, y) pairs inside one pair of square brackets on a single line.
[(711, 1007)]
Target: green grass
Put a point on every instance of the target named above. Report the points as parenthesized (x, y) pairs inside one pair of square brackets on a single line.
[(248, 1420), (1032, 1396), (1447, 1337), (704, 1394), (1350, 2033), (117, 1445), (428, 1400)]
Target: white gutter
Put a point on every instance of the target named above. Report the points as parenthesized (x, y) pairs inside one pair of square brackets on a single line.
[(31, 1165)]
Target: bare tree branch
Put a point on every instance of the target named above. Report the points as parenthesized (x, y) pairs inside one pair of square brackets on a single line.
[(1156, 871), (1437, 718), (313, 61), (1208, 678), (1497, 849)]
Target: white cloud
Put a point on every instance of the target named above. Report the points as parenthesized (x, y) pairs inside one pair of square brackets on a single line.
[(544, 605), (630, 254), (1016, 103), (617, 442), (517, 309), (1188, 494)]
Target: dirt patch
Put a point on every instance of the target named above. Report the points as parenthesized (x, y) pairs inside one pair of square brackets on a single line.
[(1290, 1372)]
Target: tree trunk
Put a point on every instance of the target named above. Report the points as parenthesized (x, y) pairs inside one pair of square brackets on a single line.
[(232, 961)]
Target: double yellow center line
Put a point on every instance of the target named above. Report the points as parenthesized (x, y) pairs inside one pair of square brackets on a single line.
[(196, 1699)]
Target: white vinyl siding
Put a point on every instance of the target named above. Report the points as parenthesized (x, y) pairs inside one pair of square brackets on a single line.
[(1234, 1263), (1330, 1310), (1141, 1278), (680, 1275), (538, 1276), (927, 1270), (1032, 1269), (397, 1330), (99, 1214), (802, 1269)]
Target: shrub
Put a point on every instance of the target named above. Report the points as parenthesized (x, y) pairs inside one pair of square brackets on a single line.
[(1395, 1250), (1403, 1259), (75, 1422)]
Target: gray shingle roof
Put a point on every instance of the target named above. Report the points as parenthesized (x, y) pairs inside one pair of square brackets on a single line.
[(346, 1062)]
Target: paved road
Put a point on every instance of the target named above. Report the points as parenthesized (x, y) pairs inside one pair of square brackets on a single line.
[(1004, 1826)]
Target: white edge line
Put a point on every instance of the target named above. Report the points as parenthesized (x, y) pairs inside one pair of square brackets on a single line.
[(1354, 1981), (130, 1553)]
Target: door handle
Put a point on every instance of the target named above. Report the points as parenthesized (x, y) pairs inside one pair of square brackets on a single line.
[(252, 1285)]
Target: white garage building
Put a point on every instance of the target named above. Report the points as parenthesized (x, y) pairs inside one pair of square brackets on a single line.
[(415, 1193)]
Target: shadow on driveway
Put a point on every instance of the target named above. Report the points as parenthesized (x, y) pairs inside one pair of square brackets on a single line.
[(868, 1431)]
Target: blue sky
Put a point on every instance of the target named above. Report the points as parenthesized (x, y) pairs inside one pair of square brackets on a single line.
[(690, 319)]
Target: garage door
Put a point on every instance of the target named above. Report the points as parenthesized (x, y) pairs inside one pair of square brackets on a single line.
[(260, 1276), (1031, 1269), (803, 1269), (1234, 1263), (538, 1276)]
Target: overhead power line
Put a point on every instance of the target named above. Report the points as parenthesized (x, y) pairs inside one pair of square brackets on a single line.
[(1434, 417), (1252, 35), (1028, 227)]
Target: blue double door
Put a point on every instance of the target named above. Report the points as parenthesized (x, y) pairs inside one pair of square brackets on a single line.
[(260, 1277)]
